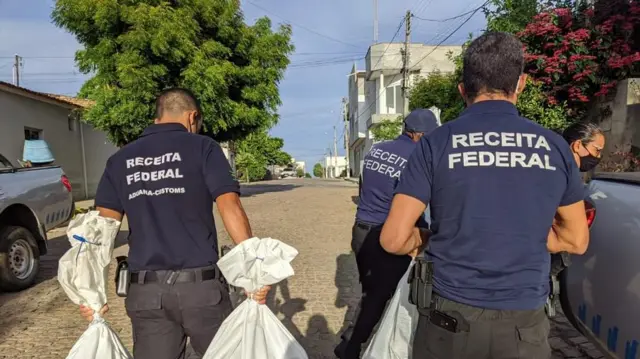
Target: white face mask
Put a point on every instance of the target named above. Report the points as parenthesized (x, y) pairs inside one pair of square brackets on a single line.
[(518, 85)]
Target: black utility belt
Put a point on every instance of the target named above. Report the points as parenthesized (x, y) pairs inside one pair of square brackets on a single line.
[(124, 277), (170, 277), (368, 226)]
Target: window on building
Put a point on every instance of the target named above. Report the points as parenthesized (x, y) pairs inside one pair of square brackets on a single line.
[(32, 134), (394, 98)]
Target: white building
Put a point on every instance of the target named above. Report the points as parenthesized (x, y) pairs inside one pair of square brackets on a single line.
[(77, 147), (376, 95), (334, 166), (301, 165)]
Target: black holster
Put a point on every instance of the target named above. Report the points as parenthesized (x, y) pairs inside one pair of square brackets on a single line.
[(421, 284), (123, 277)]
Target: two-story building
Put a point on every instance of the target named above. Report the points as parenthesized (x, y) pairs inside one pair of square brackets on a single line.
[(375, 94)]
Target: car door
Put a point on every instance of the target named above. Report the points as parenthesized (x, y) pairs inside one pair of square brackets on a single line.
[(603, 285)]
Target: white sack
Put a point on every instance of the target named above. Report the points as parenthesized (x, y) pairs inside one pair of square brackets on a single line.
[(83, 273), (252, 331), (394, 338)]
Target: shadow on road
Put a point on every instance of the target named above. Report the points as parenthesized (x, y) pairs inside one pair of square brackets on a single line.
[(257, 189), (348, 285), (318, 341), (355, 200)]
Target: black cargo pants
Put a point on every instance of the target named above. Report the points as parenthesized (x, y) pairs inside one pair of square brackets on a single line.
[(491, 334), (379, 273), (165, 309)]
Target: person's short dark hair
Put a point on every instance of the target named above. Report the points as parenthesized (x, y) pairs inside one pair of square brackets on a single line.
[(176, 101), (584, 132), (492, 64)]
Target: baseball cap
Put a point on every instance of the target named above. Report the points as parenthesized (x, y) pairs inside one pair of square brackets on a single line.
[(421, 120)]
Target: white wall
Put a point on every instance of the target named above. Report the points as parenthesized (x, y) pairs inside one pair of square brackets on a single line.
[(62, 137), (98, 149)]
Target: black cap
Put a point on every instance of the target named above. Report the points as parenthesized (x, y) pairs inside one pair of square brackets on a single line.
[(421, 120)]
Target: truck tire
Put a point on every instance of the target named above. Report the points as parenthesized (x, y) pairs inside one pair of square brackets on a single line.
[(19, 258)]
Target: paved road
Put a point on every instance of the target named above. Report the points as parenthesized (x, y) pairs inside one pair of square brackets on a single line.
[(314, 216)]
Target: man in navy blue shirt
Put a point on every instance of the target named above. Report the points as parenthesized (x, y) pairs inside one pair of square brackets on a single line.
[(494, 182), (379, 271), (166, 183)]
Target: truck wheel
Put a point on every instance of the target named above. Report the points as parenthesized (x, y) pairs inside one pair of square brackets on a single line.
[(19, 258)]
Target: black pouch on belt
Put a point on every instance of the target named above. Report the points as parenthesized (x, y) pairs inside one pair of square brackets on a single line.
[(123, 277), (421, 284)]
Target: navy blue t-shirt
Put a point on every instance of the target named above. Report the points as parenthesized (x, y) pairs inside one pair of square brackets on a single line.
[(494, 181), (166, 183), (380, 172)]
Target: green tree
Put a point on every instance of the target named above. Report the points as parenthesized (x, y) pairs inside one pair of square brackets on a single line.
[(256, 152), (318, 170), (134, 49), (439, 90), (299, 172), (387, 129), (307, 175), (510, 16)]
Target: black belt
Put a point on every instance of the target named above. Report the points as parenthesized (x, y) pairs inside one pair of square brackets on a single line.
[(368, 226), (186, 276)]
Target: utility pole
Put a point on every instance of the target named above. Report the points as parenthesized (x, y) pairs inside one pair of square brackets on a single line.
[(16, 70), (335, 152), (345, 116), (405, 64), (375, 21)]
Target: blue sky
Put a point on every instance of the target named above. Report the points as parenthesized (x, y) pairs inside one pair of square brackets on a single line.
[(314, 84)]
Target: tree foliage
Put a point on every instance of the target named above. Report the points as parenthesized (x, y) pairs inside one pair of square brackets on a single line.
[(387, 129), (134, 49), (256, 152), (299, 172), (318, 170), (577, 59), (439, 90)]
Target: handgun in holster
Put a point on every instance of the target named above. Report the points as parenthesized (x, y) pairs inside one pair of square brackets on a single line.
[(123, 277), (559, 262), (421, 284)]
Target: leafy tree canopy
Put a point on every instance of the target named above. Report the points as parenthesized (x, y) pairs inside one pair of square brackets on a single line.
[(257, 151), (135, 49), (318, 170), (439, 90), (387, 129)]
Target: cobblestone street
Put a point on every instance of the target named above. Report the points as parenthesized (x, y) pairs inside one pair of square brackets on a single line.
[(312, 215)]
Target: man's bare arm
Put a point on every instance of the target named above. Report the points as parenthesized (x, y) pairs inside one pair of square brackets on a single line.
[(570, 231), (398, 233), (109, 213), (234, 217)]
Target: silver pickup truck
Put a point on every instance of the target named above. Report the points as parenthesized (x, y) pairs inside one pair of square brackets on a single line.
[(32, 201), (600, 291)]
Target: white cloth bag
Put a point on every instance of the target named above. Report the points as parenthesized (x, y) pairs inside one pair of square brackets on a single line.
[(83, 273), (252, 331), (394, 338)]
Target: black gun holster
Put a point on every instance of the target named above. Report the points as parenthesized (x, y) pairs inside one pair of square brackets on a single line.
[(123, 277), (421, 285)]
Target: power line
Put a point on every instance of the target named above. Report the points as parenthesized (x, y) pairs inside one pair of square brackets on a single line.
[(302, 26), (472, 13), (454, 17), (451, 34)]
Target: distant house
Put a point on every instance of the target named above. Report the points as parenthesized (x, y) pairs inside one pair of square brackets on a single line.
[(77, 147)]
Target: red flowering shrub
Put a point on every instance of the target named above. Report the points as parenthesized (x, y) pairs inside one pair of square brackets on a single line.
[(577, 60)]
